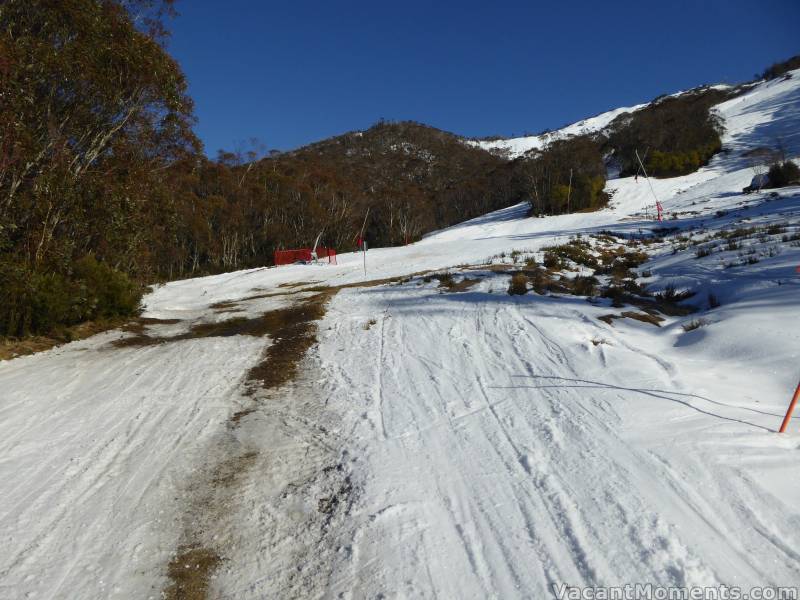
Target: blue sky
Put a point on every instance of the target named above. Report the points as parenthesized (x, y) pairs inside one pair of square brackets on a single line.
[(292, 72)]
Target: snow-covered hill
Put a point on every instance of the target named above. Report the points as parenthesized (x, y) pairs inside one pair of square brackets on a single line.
[(516, 147), (441, 439)]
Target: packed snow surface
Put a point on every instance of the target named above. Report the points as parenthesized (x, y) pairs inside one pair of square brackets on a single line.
[(437, 444)]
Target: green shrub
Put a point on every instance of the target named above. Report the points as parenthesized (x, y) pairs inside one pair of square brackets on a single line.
[(783, 174), (36, 302), (584, 285), (681, 133), (568, 175), (105, 292), (552, 261), (672, 164)]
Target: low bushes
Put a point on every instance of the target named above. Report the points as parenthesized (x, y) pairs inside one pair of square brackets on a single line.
[(674, 135), (673, 164), (518, 285), (781, 68), (783, 174), (34, 301)]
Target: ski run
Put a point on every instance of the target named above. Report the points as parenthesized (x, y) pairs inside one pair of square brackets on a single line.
[(438, 437)]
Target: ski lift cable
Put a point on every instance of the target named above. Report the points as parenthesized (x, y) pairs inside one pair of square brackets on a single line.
[(650, 185)]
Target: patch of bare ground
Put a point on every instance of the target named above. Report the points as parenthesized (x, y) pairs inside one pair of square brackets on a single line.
[(294, 284), (14, 347), (644, 317), (190, 571), (292, 331), (448, 283), (253, 326), (192, 567), (225, 306)]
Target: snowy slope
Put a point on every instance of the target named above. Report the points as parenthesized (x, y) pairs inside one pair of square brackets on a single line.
[(515, 147), (455, 445)]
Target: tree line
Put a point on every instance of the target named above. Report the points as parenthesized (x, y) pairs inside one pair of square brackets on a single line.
[(104, 185)]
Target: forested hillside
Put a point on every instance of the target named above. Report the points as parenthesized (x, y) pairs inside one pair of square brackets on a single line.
[(105, 187), (100, 171)]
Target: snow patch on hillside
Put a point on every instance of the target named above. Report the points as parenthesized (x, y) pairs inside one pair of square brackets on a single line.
[(515, 147)]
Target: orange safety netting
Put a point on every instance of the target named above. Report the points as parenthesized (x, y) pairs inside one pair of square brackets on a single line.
[(288, 257)]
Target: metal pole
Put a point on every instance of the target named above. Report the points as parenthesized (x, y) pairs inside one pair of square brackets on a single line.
[(569, 190), (652, 191), (789, 412)]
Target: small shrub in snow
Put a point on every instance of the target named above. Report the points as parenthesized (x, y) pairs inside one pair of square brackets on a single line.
[(783, 174), (776, 229), (445, 279), (552, 261), (583, 286), (616, 295), (694, 324), (518, 285), (713, 301), (701, 252)]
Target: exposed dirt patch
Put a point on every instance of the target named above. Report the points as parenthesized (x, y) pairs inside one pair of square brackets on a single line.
[(241, 414), (254, 326), (327, 505), (449, 284), (295, 284), (226, 474), (13, 347), (267, 295), (225, 305), (293, 332), (190, 572), (644, 317), (194, 564)]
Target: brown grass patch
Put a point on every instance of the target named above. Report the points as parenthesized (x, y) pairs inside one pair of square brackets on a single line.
[(518, 286), (13, 347), (449, 284), (253, 326), (225, 305), (644, 317), (190, 572), (293, 332)]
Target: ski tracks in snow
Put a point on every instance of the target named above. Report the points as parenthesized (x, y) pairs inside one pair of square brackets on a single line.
[(498, 471)]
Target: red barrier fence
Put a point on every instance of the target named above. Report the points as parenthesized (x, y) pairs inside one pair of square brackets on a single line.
[(288, 257)]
